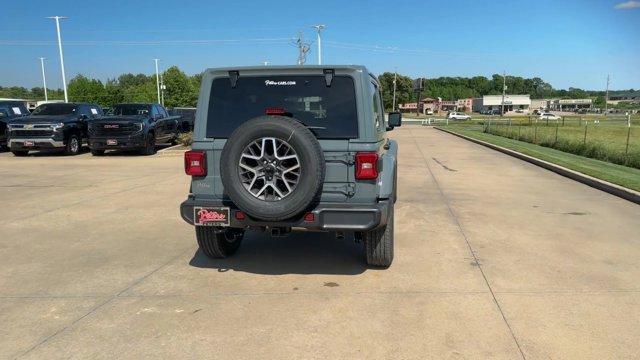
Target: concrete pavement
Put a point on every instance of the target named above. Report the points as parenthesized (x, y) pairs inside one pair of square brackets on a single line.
[(495, 258)]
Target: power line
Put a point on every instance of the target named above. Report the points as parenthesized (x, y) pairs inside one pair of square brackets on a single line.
[(143, 42)]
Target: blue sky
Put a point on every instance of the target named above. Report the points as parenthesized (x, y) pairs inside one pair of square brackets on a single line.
[(567, 43)]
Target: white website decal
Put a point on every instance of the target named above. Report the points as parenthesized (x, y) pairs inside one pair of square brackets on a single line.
[(279, 83)]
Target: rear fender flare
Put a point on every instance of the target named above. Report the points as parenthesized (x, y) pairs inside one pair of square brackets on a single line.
[(386, 178)]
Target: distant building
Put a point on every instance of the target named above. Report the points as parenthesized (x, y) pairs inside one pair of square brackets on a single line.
[(448, 105), (570, 104), (616, 97), (494, 102), (408, 107), (540, 104), (464, 104)]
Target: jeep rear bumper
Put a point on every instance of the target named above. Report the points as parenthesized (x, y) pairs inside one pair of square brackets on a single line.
[(327, 216)]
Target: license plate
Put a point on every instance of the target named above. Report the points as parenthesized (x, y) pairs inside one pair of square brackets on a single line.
[(206, 216), (28, 143), (112, 142)]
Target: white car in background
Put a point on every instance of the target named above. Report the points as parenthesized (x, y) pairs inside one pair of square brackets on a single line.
[(458, 116), (549, 116)]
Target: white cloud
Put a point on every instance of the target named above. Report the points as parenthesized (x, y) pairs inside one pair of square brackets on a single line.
[(631, 4)]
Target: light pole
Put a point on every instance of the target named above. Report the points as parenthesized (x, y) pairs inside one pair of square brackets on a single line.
[(44, 79), (319, 28), (64, 80), (162, 87), (157, 79)]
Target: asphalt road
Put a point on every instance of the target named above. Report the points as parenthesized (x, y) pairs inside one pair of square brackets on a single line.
[(495, 258)]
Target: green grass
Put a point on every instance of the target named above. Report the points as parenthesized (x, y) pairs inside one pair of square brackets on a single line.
[(606, 141), (622, 175)]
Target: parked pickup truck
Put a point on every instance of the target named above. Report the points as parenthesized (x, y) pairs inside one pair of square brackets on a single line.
[(133, 127), (10, 110), (52, 126), (187, 117), (284, 148)]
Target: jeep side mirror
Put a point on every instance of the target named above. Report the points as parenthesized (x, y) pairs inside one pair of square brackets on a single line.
[(394, 119)]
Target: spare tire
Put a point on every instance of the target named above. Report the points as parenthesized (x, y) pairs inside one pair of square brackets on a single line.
[(272, 167)]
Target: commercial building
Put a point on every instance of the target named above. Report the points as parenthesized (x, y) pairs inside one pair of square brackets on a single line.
[(408, 107), (570, 104), (464, 104), (494, 102), (539, 104)]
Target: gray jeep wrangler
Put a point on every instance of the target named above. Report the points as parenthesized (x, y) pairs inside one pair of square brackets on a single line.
[(284, 148)]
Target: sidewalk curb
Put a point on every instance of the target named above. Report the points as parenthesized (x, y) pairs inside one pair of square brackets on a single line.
[(613, 189), (172, 151)]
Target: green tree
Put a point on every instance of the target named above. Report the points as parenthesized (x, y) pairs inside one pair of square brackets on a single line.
[(179, 88), (404, 89), (83, 89)]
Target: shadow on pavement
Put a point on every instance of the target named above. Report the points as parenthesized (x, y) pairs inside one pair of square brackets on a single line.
[(299, 253)]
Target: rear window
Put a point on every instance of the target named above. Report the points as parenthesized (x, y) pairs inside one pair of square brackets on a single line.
[(129, 109), (55, 109), (331, 111)]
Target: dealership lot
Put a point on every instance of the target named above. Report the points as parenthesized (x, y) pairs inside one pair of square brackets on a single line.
[(495, 258)]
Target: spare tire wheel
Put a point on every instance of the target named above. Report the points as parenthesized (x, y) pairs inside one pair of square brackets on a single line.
[(272, 167)]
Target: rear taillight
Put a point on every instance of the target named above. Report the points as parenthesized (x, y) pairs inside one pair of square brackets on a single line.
[(366, 166), (195, 163), (274, 111)]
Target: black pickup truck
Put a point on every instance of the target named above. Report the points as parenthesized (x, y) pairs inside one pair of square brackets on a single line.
[(52, 126), (133, 127), (10, 110)]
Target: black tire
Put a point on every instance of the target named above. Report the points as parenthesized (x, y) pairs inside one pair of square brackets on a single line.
[(378, 243), (310, 157), (218, 244), (97, 152), (73, 145), (395, 182), (20, 152), (149, 145)]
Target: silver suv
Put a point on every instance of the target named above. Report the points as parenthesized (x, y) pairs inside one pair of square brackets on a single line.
[(285, 148)]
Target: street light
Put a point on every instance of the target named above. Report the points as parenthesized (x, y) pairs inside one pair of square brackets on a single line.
[(319, 28), (44, 79), (157, 79), (64, 80)]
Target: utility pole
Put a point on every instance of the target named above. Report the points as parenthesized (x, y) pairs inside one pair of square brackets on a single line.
[(303, 48), (157, 79), (606, 98), (395, 78), (44, 79), (504, 89), (318, 29), (64, 80)]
